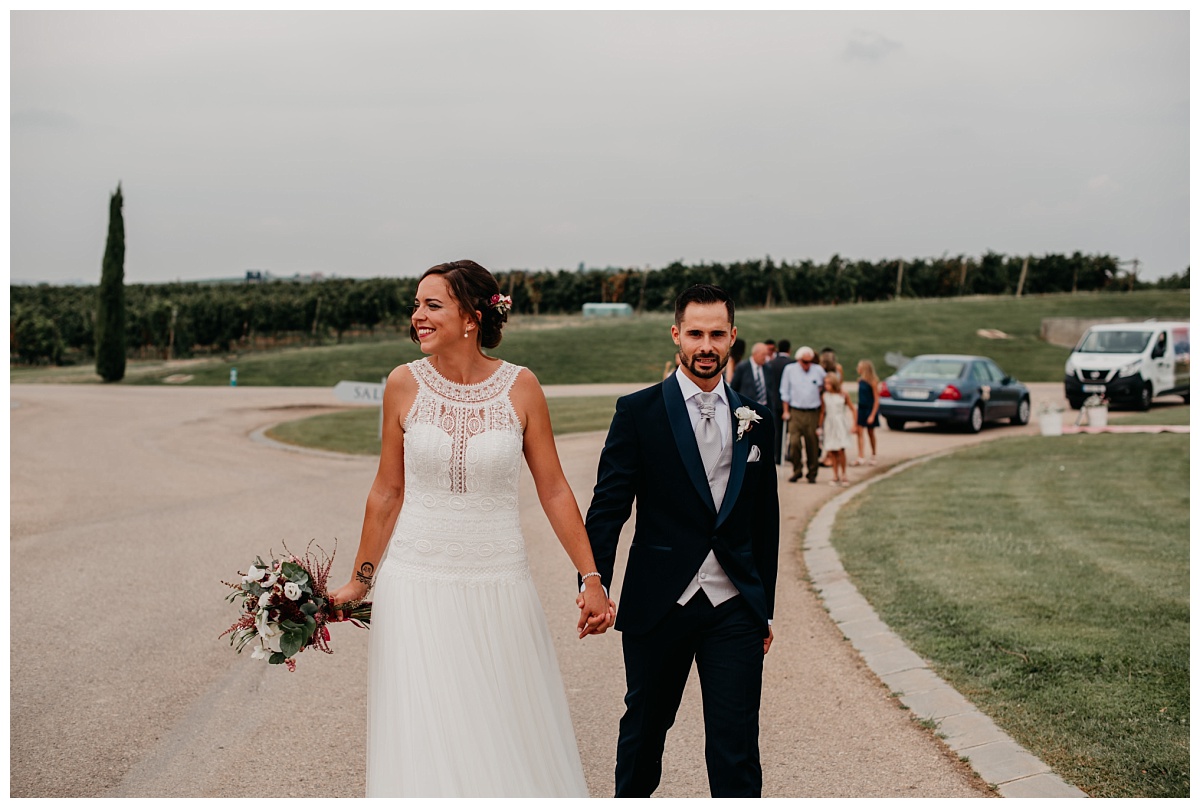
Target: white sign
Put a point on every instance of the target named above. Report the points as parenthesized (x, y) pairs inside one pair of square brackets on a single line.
[(359, 392)]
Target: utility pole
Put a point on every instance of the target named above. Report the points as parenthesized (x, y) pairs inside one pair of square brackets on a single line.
[(171, 339), (962, 278), (1024, 272), (899, 278)]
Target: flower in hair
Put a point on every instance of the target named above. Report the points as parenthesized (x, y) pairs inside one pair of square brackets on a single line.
[(501, 303)]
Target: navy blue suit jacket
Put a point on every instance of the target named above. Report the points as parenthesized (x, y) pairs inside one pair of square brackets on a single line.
[(651, 457)]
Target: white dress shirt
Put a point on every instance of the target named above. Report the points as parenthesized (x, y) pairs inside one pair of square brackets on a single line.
[(710, 577), (802, 389)]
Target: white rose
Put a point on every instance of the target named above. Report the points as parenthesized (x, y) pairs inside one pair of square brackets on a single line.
[(262, 601), (253, 574), (270, 582), (291, 591)]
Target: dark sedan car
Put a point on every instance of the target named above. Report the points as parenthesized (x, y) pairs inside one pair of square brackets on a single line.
[(952, 389)]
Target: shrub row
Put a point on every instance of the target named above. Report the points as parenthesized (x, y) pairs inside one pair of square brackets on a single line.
[(55, 324)]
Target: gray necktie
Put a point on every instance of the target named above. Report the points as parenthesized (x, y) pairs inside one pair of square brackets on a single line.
[(760, 388), (708, 434)]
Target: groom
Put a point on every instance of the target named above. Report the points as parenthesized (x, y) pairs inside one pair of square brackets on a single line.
[(700, 581)]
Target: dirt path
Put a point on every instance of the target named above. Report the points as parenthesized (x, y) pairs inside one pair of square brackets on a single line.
[(130, 504)]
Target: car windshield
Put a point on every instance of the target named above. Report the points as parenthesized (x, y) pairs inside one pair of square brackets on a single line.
[(932, 369), (1114, 342)]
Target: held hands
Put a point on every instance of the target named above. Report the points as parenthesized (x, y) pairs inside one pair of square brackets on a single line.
[(597, 612), (768, 640)]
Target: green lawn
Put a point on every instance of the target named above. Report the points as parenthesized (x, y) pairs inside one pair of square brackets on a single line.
[(1159, 414), (1048, 581), (357, 431), (568, 350), (351, 431)]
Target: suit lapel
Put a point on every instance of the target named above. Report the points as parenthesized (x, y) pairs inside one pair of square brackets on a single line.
[(741, 451), (685, 438)]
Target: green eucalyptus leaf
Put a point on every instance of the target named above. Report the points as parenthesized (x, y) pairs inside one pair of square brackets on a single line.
[(277, 658), (294, 573), (292, 642)]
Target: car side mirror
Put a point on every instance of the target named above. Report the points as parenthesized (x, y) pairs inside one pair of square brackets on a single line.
[(1007, 380)]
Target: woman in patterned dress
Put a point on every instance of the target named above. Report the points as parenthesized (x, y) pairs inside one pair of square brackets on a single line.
[(464, 693)]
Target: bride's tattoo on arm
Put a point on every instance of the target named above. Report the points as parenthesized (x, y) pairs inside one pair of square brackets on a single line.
[(366, 572)]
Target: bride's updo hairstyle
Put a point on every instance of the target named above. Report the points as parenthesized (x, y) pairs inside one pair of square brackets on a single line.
[(473, 288)]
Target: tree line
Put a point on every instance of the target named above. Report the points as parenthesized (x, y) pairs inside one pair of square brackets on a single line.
[(57, 324)]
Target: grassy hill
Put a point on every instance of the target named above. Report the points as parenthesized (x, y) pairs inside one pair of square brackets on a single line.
[(569, 350)]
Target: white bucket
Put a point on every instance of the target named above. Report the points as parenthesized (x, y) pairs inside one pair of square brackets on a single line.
[(1051, 423), (1097, 416)]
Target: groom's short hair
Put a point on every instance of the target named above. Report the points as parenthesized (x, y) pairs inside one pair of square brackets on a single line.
[(702, 293)]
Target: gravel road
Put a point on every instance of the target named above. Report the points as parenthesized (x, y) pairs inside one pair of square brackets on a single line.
[(129, 505)]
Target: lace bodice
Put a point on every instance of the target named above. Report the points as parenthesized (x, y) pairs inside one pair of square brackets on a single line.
[(462, 464)]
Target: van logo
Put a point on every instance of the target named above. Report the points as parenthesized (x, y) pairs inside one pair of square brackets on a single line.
[(1093, 374)]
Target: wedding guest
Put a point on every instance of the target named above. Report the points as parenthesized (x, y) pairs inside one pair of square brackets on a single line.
[(827, 359), (778, 362), (753, 379), (735, 357), (836, 413), (800, 389), (868, 407)]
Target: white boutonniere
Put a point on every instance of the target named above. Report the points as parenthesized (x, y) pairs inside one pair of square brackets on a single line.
[(747, 418)]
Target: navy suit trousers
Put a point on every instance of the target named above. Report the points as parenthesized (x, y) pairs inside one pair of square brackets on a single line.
[(726, 643)]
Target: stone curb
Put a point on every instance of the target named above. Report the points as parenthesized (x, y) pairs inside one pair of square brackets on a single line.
[(995, 756)]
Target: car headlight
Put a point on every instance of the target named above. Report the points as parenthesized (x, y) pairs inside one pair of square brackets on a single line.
[(1070, 368), (1130, 369)]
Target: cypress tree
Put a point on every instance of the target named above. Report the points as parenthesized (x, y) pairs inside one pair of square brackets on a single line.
[(110, 317)]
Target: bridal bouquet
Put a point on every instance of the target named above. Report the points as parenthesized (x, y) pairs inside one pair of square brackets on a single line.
[(285, 607)]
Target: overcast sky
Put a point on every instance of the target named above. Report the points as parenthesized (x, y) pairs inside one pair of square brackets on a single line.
[(368, 144)]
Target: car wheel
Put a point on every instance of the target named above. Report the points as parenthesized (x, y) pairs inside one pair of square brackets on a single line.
[(896, 424), (1145, 398), (1187, 397), (1022, 416), (975, 422)]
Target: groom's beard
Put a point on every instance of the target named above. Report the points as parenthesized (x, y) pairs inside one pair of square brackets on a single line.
[(690, 363)]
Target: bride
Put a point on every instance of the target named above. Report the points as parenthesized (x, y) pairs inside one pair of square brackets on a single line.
[(464, 693)]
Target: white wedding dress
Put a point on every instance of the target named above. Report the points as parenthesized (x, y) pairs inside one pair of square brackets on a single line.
[(465, 698)]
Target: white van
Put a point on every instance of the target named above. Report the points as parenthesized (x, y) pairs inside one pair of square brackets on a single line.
[(1130, 363)]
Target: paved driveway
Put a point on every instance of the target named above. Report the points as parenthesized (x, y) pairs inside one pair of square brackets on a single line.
[(130, 504)]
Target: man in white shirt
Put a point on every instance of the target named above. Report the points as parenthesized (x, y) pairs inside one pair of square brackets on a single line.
[(800, 391)]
